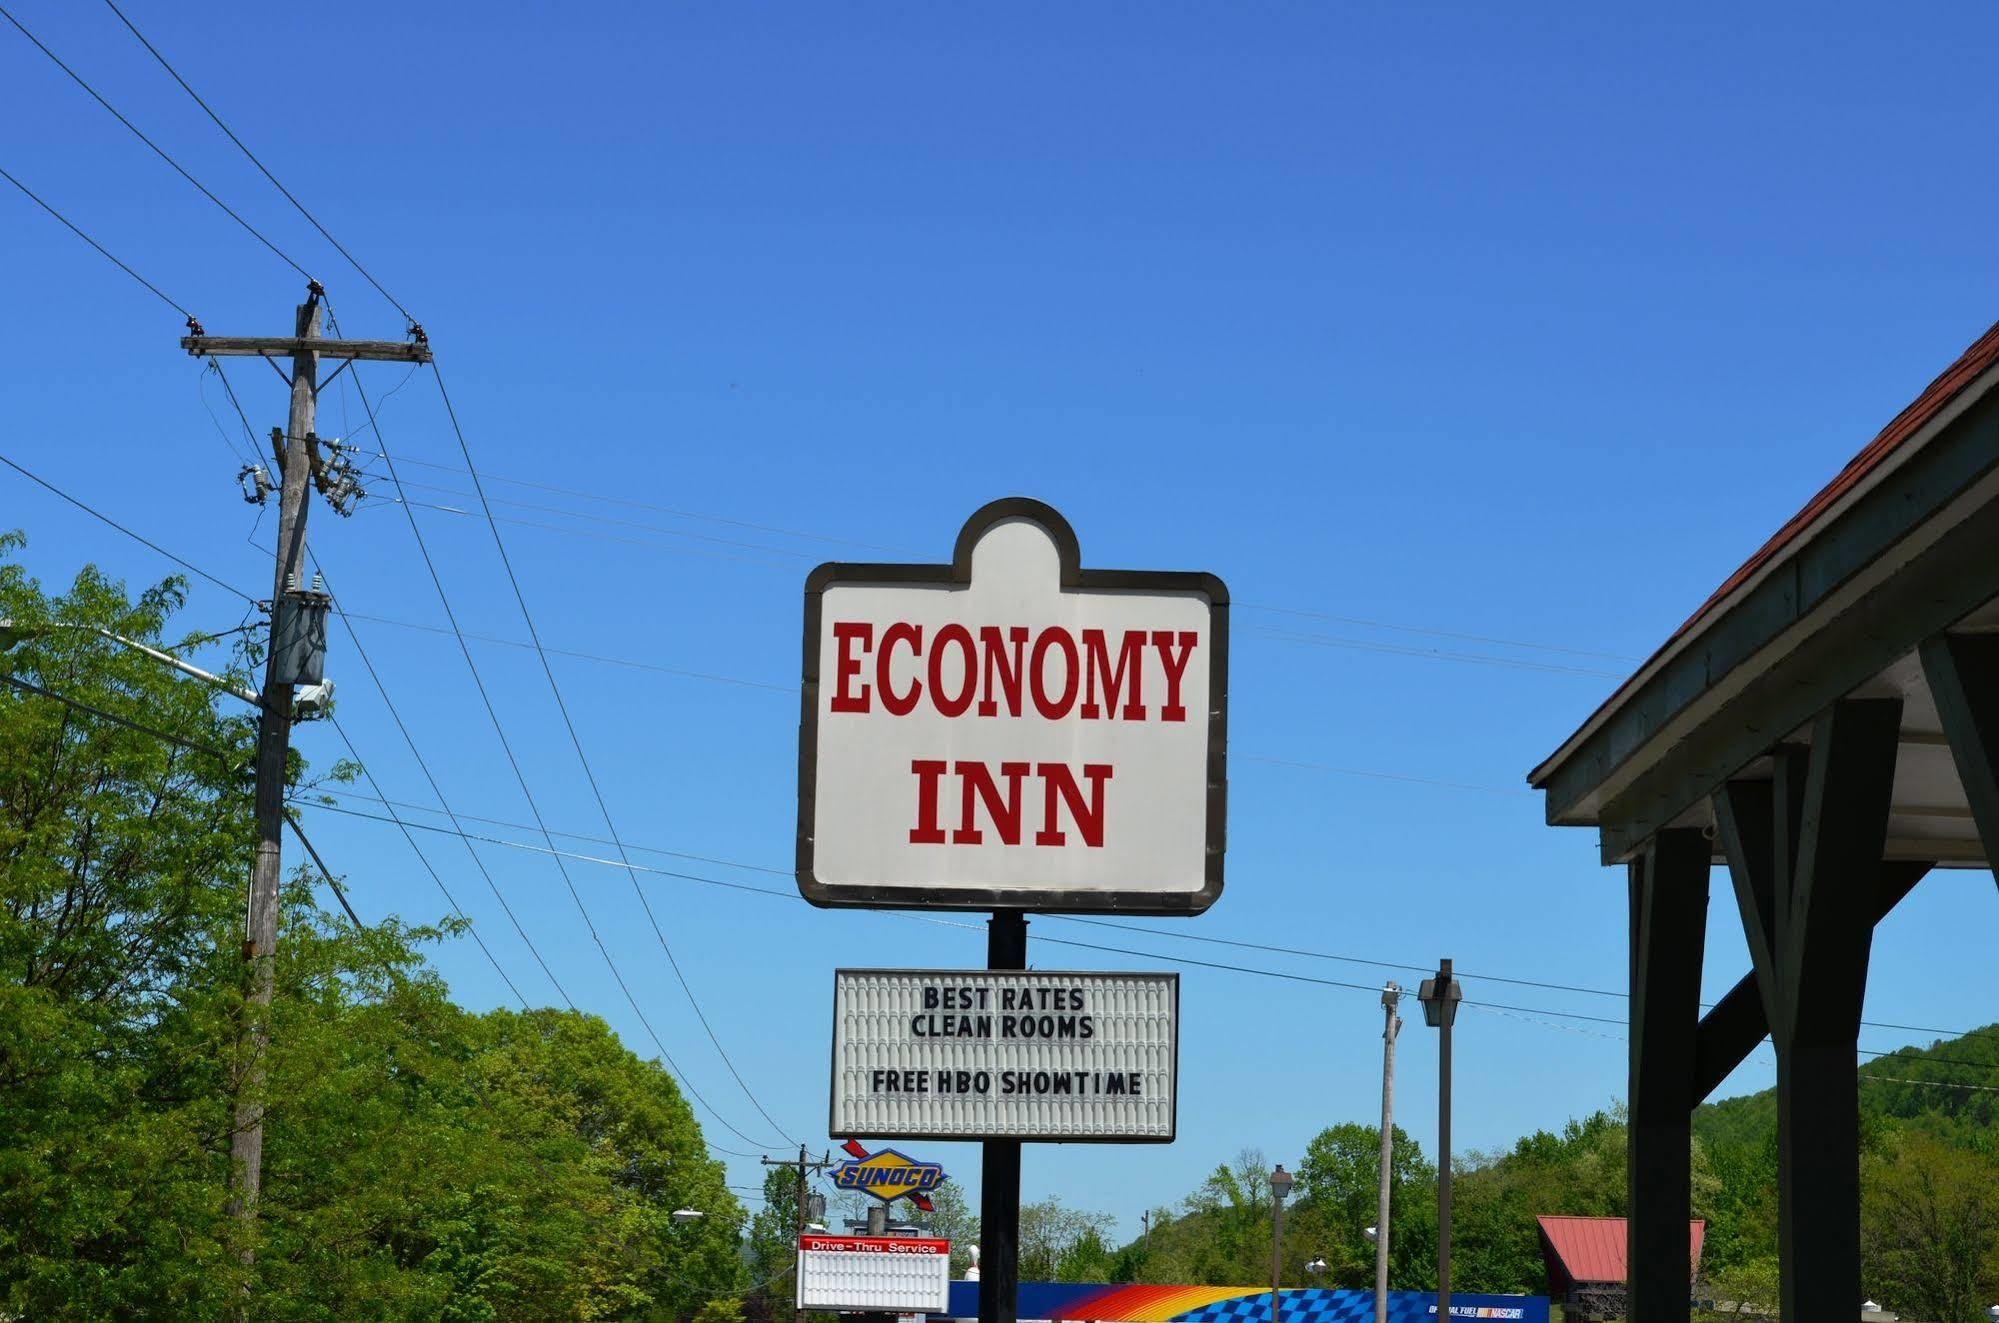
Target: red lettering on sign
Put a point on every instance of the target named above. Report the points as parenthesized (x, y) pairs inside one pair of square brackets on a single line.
[(899, 705), (1057, 778), (1006, 816), (926, 831), (1097, 665), (1009, 675), (1176, 669), (845, 633), (961, 638), (1053, 708)]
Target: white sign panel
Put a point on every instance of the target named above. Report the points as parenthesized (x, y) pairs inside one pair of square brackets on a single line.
[(984, 1054), (1012, 730), (879, 1274)]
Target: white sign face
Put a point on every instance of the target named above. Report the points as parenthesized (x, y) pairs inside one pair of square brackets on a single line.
[(880, 1274), (1011, 730), (985, 1054)]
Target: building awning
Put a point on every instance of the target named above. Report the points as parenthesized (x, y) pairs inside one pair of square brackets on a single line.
[(1894, 550)]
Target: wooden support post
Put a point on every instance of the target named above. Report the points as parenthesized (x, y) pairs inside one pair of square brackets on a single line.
[(1825, 933), (1669, 894), (1963, 675)]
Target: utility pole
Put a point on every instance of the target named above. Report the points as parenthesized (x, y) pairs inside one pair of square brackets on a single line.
[(804, 1165), (1440, 997), (290, 658), (1390, 995)]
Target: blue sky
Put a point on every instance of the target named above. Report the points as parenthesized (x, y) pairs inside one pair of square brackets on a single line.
[(1484, 323)]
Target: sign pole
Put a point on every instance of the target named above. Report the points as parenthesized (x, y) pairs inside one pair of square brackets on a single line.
[(999, 1182)]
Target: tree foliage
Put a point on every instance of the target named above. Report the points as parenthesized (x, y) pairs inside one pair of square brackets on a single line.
[(421, 1161)]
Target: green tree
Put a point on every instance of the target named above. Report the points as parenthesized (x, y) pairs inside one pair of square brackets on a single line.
[(1055, 1239), (420, 1161), (1930, 1229), (1338, 1199)]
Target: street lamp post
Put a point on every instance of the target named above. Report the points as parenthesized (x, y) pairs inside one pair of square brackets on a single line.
[(1280, 1186), (1440, 997)]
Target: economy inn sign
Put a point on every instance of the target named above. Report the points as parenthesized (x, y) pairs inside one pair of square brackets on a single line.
[(1013, 731)]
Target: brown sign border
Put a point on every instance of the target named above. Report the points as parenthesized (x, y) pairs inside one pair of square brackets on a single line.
[(959, 571)]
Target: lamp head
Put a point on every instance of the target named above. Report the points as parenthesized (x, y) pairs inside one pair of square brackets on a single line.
[(1281, 1182)]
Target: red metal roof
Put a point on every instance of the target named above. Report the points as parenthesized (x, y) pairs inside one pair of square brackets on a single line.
[(1591, 1249), (1974, 362)]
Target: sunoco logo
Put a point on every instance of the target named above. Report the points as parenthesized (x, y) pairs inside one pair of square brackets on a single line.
[(888, 1175)]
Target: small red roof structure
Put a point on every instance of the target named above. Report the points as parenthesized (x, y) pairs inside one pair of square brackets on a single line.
[(1585, 1252)]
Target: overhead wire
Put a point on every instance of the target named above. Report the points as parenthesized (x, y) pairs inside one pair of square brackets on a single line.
[(262, 168), (626, 863), (576, 742), (192, 568), (367, 771), (106, 253), (527, 793), (158, 150), (141, 539)]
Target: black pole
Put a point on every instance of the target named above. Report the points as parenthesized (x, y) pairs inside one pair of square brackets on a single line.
[(1444, 1144), (999, 1183)]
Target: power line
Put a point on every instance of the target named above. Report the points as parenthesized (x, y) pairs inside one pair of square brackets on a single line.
[(675, 511), (158, 150), (572, 836), (192, 568), (327, 235), (450, 899), (102, 250), (101, 714), (1433, 633), (789, 689), (549, 835), (444, 806), (1431, 654), (1933, 1084), (608, 519), (576, 741), (780, 530), (368, 772), (527, 793), (101, 517)]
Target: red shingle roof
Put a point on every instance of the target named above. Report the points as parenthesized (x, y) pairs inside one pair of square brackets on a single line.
[(1970, 365), (1591, 1249), (1974, 362)]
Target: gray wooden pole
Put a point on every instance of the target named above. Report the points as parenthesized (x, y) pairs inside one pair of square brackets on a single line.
[(246, 1143), (1390, 995)]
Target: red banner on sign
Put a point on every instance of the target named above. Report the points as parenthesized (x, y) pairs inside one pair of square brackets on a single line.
[(873, 1245)]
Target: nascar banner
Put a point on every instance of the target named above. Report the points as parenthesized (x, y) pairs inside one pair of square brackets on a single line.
[(1241, 1304)]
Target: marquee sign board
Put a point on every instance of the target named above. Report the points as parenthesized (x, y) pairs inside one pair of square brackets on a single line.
[(879, 1274), (1012, 731), (998, 1054)]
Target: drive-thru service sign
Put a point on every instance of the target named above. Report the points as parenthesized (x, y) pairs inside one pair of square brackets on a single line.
[(1011, 730), (986, 1054), (894, 1274)]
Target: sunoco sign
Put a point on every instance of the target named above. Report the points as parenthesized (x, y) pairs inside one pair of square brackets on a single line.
[(982, 1054)]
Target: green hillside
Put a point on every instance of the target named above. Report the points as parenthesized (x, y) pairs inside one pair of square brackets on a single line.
[(1949, 1090)]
